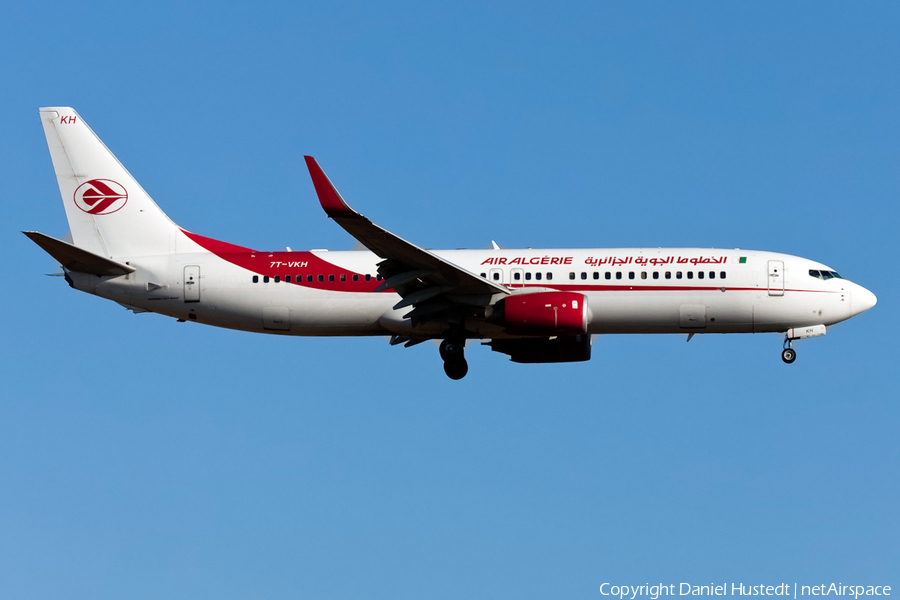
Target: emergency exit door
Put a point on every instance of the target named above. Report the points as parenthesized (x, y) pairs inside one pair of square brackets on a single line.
[(192, 283), (776, 278)]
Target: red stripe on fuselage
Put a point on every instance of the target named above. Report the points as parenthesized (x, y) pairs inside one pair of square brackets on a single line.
[(296, 264), (262, 264), (215, 246)]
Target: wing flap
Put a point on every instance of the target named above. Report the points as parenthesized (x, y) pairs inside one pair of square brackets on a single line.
[(575, 348)]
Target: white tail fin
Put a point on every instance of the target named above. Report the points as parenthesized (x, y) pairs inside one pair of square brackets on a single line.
[(109, 213)]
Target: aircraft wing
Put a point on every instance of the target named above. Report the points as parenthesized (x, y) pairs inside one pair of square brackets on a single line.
[(415, 273)]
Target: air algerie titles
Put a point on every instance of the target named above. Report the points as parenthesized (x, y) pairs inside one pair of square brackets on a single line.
[(608, 260), (534, 260)]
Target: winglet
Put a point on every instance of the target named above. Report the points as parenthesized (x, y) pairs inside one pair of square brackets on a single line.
[(329, 197)]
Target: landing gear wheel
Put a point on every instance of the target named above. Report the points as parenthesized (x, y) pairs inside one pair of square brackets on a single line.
[(453, 352), (451, 349), (456, 369), (788, 355)]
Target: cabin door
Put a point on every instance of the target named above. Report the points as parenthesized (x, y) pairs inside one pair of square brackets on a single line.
[(192, 283), (776, 278)]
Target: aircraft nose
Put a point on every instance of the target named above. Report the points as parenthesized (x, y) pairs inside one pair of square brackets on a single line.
[(862, 300)]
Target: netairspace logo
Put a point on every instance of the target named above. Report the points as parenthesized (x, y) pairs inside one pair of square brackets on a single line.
[(631, 592)]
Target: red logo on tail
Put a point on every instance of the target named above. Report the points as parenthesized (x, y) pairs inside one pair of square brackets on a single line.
[(100, 196)]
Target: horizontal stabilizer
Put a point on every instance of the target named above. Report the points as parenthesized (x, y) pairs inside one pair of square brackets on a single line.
[(77, 259)]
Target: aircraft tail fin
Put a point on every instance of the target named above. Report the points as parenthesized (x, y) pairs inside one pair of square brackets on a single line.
[(109, 213)]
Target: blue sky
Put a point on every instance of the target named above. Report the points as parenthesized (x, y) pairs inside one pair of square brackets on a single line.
[(144, 458)]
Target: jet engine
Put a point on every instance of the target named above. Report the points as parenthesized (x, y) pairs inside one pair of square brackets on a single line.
[(542, 313)]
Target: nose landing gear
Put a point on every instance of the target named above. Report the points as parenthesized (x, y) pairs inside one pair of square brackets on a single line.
[(788, 355), (453, 352)]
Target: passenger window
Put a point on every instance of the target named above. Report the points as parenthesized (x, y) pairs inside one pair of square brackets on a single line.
[(368, 277), (699, 274), (277, 278), (309, 278), (655, 274), (378, 277), (265, 279), (643, 274), (321, 278), (496, 276), (583, 275), (331, 278), (538, 276), (343, 277), (484, 275), (287, 278), (517, 276), (668, 274), (571, 275), (722, 275), (690, 274), (256, 279), (549, 276), (630, 274), (677, 274), (608, 275), (712, 274), (527, 276), (596, 274), (355, 277), (618, 274)]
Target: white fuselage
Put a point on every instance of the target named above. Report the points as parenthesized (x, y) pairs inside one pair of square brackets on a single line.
[(629, 290)]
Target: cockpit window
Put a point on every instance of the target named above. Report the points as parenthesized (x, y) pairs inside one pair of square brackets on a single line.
[(826, 275)]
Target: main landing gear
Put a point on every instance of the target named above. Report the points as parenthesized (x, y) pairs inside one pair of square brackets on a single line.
[(453, 353), (788, 355)]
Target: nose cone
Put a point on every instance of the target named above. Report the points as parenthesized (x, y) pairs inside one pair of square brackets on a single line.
[(862, 300)]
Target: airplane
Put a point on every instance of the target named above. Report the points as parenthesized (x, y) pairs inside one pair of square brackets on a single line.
[(536, 306)]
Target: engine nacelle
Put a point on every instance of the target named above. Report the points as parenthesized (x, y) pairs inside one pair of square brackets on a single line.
[(543, 313)]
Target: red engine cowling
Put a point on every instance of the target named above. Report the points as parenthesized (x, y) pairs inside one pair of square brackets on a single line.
[(546, 313)]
